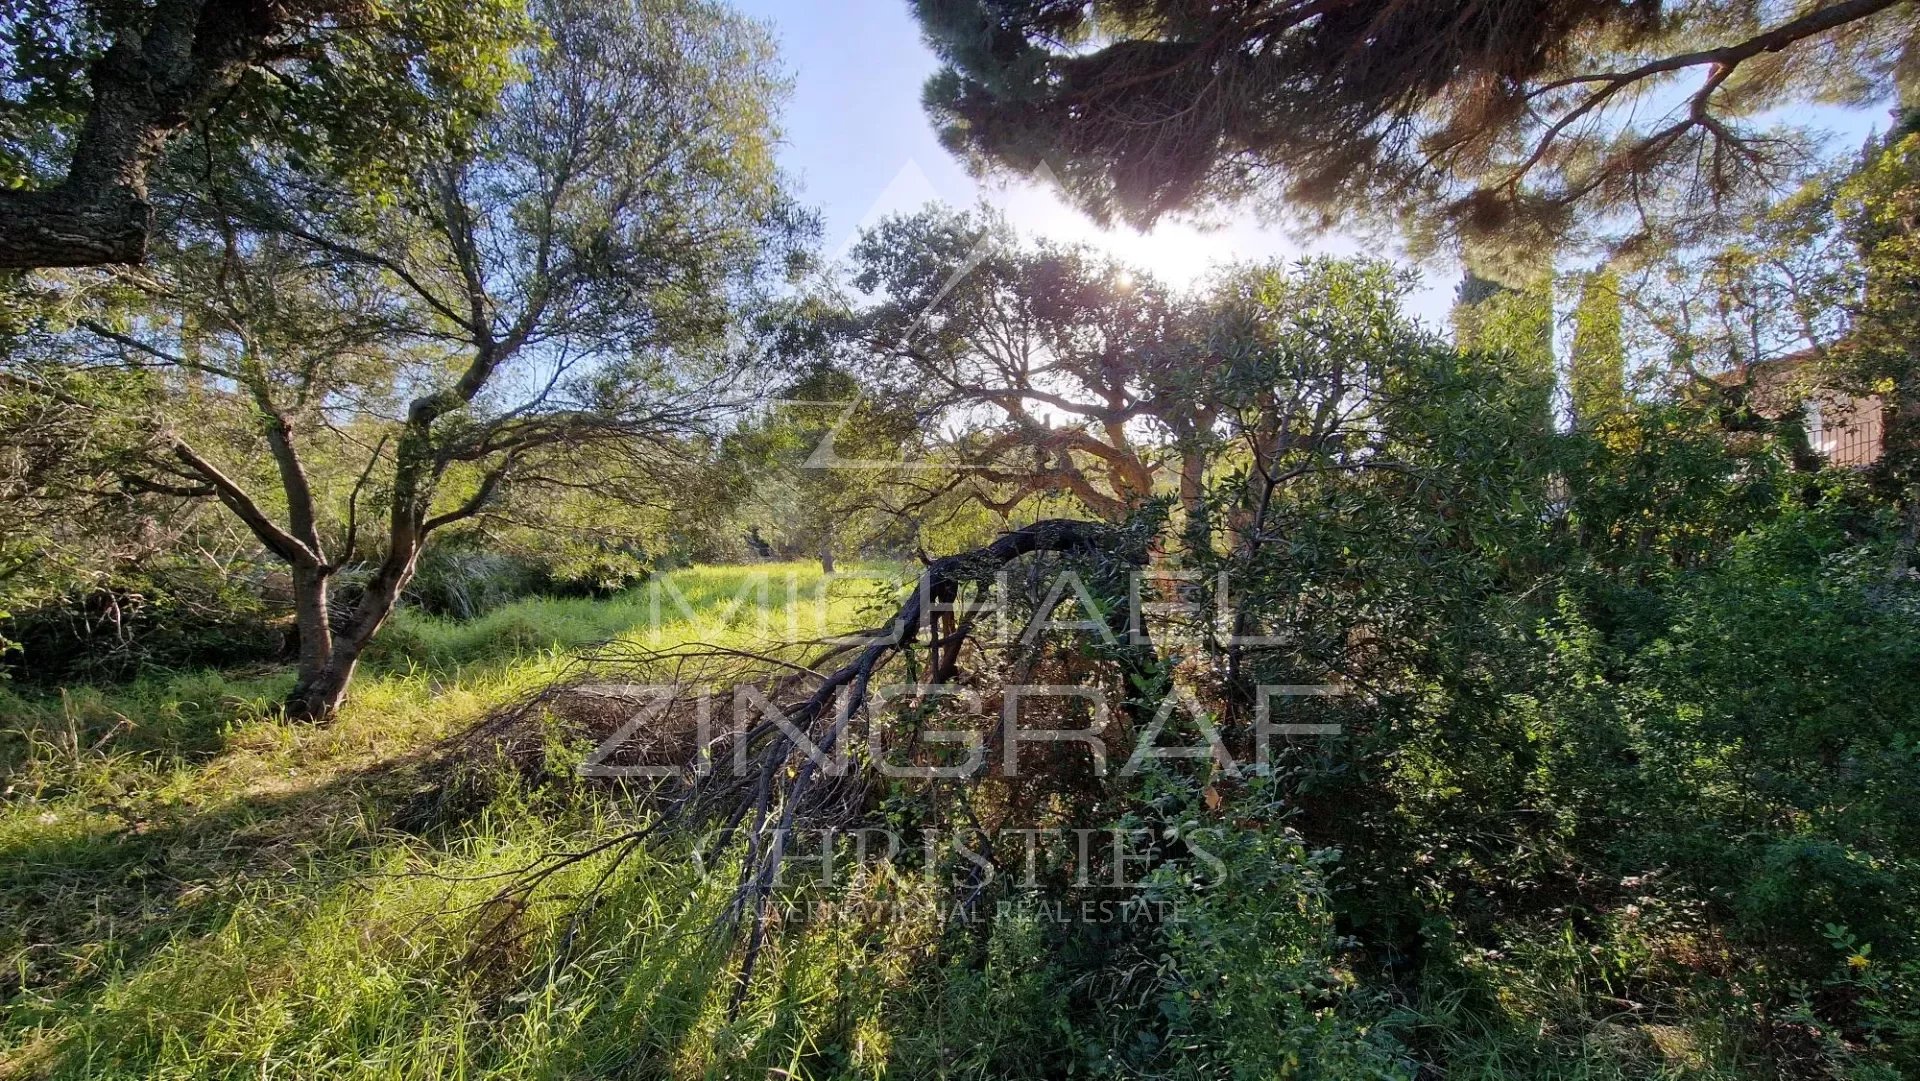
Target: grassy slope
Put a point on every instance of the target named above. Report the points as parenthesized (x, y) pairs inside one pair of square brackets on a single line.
[(191, 887)]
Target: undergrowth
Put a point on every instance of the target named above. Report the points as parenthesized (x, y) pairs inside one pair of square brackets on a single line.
[(192, 887)]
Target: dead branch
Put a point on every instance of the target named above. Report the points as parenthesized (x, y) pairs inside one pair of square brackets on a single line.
[(755, 809)]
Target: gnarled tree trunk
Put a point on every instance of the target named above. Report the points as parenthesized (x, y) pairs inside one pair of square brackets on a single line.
[(329, 655), (145, 87)]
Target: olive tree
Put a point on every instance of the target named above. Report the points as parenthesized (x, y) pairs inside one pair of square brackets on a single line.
[(350, 365)]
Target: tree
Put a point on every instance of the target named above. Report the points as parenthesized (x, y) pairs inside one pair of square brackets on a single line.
[(1780, 288), (1596, 366), (1520, 117), (1495, 317), (1878, 208), (550, 283), (97, 91), (822, 458), (1079, 377), (1733, 323), (1060, 358)]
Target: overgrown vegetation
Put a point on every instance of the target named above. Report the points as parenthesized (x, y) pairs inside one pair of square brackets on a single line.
[(422, 496), (1530, 879)]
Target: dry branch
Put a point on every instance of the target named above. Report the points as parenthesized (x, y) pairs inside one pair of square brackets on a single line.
[(755, 809)]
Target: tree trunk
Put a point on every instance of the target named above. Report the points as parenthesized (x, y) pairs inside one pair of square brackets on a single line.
[(324, 675), (321, 685), (312, 617), (319, 692), (826, 554), (327, 658), (144, 88)]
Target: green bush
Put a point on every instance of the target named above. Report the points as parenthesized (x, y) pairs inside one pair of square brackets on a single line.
[(176, 613)]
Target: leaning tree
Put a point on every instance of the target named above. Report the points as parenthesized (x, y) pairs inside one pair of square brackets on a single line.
[(350, 366)]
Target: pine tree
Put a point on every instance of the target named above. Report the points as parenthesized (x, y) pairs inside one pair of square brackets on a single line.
[(1520, 118)]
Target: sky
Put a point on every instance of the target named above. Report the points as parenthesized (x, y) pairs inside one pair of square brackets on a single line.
[(860, 148)]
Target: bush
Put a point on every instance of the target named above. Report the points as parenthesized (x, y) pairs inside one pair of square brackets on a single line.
[(461, 578), (176, 614), (462, 582)]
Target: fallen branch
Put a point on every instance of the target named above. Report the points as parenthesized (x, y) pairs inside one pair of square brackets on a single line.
[(756, 809)]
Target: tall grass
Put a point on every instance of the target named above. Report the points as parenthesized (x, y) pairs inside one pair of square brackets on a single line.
[(190, 886)]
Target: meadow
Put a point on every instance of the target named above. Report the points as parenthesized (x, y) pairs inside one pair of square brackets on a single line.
[(191, 886)]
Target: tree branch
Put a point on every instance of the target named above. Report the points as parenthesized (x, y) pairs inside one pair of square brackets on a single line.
[(284, 544), (1724, 58), (489, 487), (145, 87)]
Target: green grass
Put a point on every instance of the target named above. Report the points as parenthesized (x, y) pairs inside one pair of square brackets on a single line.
[(780, 600), (191, 887)]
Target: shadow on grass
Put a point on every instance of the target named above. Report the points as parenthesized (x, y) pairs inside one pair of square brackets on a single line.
[(144, 947), (135, 917), (91, 890), (48, 742)]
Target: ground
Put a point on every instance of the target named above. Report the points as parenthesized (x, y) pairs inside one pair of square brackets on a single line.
[(190, 886), (193, 887)]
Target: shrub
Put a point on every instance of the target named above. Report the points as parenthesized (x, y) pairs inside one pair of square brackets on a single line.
[(176, 613)]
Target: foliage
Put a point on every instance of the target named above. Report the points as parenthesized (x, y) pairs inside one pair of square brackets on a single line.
[(827, 461), (1067, 375), (1003, 335), (1612, 744), (1597, 361), (1669, 704), (164, 611), (97, 91), (1875, 208), (1526, 120), (525, 301)]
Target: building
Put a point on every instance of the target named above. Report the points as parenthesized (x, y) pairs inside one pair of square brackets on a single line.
[(1847, 431)]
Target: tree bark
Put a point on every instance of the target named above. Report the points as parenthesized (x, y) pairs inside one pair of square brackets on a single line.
[(145, 88), (68, 227), (323, 680), (318, 695), (319, 688), (328, 658)]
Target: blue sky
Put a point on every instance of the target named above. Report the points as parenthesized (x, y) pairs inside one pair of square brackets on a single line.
[(860, 147)]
